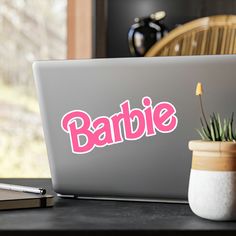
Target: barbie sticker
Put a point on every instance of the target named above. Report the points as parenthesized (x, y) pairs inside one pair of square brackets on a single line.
[(104, 131)]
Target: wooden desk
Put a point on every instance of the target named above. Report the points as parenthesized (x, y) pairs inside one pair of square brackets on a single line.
[(91, 217)]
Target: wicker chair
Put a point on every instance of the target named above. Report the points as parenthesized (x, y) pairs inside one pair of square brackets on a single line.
[(205, 36)]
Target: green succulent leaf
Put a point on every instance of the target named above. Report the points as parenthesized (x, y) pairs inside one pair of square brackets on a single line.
[(202, 136), (213, 138), (220, 126)]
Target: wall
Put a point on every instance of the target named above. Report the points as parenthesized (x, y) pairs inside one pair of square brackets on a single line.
[(121, 14)]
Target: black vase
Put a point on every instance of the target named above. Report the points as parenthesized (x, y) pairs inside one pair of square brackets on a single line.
[(145, 32)]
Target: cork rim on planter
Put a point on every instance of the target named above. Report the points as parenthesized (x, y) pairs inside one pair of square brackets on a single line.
[(212, 182), (213, 156)]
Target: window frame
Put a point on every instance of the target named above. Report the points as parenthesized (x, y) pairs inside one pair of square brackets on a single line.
[(86, 28)]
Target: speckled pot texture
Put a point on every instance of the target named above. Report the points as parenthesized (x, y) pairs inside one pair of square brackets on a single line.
[(212, 184)]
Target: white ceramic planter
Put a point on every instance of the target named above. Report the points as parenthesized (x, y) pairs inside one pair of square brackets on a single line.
[(212, 184)]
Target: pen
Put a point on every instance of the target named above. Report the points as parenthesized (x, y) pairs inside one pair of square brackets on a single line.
[(24, 189)]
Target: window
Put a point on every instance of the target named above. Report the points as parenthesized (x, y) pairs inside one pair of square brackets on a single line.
[(29, 30)]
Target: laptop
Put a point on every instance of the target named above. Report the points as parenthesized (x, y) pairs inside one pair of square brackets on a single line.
[(119, 128)]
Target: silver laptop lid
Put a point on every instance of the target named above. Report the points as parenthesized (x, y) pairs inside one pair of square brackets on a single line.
[(82, 103)]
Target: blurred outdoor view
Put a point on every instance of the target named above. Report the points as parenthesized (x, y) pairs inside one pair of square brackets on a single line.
[(29, 30)]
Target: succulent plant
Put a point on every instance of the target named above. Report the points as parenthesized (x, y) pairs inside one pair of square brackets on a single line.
[(217, 129)]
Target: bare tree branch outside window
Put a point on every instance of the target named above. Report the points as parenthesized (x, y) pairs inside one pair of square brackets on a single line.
[(29, 30)]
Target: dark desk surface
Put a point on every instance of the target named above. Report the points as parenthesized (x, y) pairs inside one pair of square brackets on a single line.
[(72, 216)]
